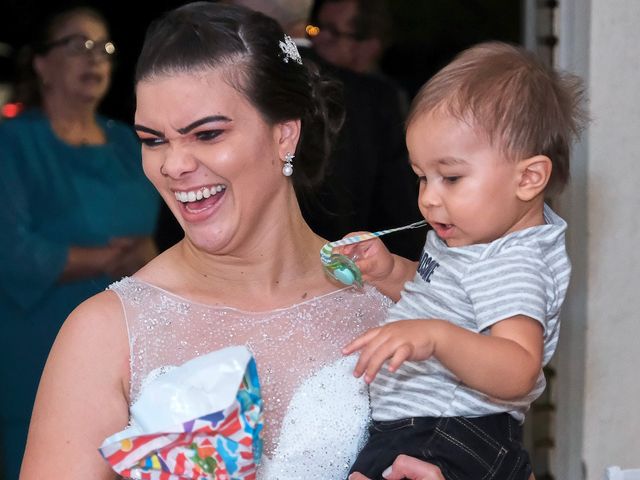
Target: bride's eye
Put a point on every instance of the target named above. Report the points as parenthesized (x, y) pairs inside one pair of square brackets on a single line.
[(207, 135), (152, 141)]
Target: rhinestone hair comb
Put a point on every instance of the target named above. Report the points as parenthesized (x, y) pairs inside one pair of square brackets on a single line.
[(289, 50)]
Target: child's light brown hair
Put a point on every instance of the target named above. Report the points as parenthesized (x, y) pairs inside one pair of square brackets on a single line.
[(524, 107)]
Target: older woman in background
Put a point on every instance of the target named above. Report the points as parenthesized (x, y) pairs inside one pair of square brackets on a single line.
[(78, 210)]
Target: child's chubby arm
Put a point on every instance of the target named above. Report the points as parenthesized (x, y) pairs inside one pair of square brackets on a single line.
[(504, 364), (386, 271)]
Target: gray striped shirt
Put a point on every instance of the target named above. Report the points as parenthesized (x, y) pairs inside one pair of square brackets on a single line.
[(523, 273)]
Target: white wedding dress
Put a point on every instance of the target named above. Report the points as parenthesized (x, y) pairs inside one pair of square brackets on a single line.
[(316, 412)]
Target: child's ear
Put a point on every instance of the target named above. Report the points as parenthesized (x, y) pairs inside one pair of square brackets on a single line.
[(534, 175)]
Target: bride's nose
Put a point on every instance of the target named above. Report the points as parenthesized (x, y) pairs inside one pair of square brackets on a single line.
[(178, 161)]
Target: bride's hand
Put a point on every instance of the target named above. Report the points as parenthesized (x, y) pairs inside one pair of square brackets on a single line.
[(407, 467)]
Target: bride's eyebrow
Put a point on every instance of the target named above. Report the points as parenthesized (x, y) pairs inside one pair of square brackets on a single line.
[(187, 129), (202, 121), (142, 128)]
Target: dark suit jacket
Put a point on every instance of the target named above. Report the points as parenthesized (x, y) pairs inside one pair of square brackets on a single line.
[(369, 184)]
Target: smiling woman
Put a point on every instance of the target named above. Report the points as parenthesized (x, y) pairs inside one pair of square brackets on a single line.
[(79, 211), (224, 105)]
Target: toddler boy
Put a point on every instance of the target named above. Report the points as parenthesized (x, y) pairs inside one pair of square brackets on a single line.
[(477, 317)]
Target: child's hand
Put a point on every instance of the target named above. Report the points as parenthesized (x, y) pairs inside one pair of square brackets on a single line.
[(371, 256), (397, 342)]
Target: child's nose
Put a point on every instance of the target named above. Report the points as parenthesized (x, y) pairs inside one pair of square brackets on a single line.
[(429, 196)]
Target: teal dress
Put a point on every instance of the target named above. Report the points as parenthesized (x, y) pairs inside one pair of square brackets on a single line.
[(55, 196)]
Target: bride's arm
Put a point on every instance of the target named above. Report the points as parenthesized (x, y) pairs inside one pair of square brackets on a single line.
[(82, 397)]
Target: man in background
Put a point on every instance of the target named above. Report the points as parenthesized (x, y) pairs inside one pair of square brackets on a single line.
[(354, 34)]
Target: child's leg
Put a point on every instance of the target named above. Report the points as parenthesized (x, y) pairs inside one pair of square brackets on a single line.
[(488, 447)]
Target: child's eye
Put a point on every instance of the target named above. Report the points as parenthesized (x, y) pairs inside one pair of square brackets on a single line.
[(152, 141), (452, 179), (208, 134)]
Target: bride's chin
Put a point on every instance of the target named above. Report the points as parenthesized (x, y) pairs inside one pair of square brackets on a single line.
[(211, 245), (207, 239)]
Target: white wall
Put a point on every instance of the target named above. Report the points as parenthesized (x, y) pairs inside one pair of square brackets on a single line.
[(598, 421)]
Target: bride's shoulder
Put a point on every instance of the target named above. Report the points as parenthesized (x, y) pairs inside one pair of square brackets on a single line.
[(364, 303), (100, 307), (95, 336), (370, 296), (100, 316)]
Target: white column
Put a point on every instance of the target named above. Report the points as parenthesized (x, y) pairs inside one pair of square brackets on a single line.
[(598, 386)]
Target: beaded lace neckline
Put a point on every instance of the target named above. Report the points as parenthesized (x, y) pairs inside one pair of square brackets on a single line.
[(183, 299)]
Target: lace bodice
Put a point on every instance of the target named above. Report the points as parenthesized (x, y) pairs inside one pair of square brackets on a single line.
[(316, 412)]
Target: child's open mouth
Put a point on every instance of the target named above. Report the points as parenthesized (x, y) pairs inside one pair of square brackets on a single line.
[(444, 230)]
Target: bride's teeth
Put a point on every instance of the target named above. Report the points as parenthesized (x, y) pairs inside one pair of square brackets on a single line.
[(195, 195)]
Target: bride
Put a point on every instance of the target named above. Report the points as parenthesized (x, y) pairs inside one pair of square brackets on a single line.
[(232, 125)]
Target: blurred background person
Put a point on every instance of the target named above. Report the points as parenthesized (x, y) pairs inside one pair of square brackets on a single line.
[(355, 34), (368, 183), (293, 15), (78, 210)]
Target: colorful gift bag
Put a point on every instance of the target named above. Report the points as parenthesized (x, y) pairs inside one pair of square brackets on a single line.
[(201, 420)]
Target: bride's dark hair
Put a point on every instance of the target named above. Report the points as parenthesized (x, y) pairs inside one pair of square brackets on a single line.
[(246, 45)]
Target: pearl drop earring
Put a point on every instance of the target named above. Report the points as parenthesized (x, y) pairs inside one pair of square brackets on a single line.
[(287, 169)]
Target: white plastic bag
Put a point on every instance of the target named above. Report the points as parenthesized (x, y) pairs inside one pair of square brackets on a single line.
[(205, 384)]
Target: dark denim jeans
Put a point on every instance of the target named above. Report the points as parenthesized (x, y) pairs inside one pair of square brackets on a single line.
[(481, 448)]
